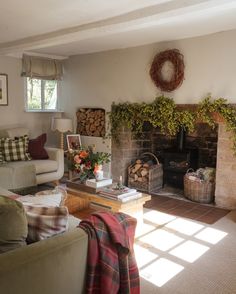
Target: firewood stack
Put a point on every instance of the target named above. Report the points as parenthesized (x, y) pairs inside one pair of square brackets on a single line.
[(145, 175), (91, 122)]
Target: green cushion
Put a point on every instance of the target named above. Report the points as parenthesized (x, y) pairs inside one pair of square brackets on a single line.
[(13, 224)]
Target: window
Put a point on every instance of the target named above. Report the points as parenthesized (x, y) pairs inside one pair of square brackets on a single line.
[(41, 95)]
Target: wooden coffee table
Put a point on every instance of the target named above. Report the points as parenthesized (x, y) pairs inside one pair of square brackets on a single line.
[(87, 199)]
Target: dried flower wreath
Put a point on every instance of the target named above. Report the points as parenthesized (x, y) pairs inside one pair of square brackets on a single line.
[(177, 59)]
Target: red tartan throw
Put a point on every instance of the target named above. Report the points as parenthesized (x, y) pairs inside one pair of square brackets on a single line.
[(111, 264), (45, 222)]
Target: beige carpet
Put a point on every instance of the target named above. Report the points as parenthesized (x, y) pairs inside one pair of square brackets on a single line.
[(178, 255)]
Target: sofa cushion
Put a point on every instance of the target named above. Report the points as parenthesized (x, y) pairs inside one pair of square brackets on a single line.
[(42, 200), (1, 158), (15, 149), (45, 222), (13, 224), (17, 175), (36, 147), (16, 132), (52, 193), (55, 197), (45, 166)]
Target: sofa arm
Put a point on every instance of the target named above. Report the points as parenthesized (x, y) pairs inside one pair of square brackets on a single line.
[(52, 266), (55, 153)]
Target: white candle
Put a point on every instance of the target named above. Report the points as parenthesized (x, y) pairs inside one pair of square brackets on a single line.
[(121, 179)]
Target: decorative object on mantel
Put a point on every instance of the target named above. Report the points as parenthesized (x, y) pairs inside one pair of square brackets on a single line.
[(91, 122), (62, 125), (174, 58), (165, 114), (3, 90), (85, 163)]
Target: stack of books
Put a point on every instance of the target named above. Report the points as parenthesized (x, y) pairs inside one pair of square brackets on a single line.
[(97, 184), (124, 195)]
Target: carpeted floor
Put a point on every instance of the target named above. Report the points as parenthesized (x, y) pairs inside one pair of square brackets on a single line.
[(182, 256)]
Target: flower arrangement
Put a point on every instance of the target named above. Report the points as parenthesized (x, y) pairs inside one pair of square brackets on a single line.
[(86, 162)]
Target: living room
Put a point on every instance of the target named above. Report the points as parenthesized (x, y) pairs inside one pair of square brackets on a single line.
[(107, 52)]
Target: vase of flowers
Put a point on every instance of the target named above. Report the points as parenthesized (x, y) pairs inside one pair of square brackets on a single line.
[(86, 163)]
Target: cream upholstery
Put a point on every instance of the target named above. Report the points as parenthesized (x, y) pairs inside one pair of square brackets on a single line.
[(41, 167), (22, 174), (53, 266)]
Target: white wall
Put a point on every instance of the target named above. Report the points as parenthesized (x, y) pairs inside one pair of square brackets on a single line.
[(14, 114), (96, 80)]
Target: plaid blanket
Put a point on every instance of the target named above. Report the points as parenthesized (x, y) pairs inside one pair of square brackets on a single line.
[(111, 264)]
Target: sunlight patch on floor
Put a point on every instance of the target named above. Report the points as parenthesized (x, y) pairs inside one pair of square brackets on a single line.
[(189, 251), (157, 217), (167, 240), (161, 271), (184, 226), (143, 255), (161, 239), (143, 229), (211, 235)]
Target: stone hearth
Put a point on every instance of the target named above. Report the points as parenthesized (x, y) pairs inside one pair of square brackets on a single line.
[(129, 149)]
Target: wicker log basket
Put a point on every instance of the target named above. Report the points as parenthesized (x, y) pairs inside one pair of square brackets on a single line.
[(146, 174), (199, 191)]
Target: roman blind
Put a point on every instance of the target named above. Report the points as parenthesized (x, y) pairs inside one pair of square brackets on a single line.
[(41, 68)]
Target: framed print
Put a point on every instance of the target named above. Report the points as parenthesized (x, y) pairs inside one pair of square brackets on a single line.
[(3, 90), (73, 142)]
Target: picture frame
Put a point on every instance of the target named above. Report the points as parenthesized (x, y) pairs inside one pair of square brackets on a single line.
[(3, 89), (73, 141)]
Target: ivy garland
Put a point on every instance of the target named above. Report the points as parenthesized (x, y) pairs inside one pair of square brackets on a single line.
[(163, 113)]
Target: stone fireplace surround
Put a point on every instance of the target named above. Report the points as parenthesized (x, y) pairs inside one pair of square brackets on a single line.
[(128, 149)]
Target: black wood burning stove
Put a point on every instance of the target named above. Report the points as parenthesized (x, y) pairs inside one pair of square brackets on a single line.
[(177, 161), (176, 164)]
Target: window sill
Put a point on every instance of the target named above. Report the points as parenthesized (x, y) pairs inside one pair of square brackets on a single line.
[(45, 111)]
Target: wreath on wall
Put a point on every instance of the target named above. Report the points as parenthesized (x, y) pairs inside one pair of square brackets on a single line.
[(177, 59)]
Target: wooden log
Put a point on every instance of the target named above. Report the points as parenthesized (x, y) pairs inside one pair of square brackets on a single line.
[(144, 172), (136, 167)]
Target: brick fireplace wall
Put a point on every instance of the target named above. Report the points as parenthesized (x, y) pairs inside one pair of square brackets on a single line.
[(129, 149), (152, 140), (225, 194)]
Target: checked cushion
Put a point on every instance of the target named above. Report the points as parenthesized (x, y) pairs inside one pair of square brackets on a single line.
[(15, 149), (1, 158)]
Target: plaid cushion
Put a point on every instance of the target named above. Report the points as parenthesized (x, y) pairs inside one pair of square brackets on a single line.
[(1, 158), (14, 150), (45, 222)]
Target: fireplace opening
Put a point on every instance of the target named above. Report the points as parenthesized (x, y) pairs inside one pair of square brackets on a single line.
[(178, 160), (177, 163), (176, 153)]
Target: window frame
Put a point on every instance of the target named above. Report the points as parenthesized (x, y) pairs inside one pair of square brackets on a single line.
[(42, 109)]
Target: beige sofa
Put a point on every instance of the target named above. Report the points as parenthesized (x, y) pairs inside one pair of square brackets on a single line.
[(21, 174), (53, 266)]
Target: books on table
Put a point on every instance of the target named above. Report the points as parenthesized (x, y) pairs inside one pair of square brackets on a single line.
[(97, 184), (124, 195)]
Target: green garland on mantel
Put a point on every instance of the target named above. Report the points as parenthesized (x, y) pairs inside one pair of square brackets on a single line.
[(164, 113)]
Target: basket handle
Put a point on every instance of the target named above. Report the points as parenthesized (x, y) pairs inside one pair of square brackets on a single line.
[(189, 170), (149, 153)]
